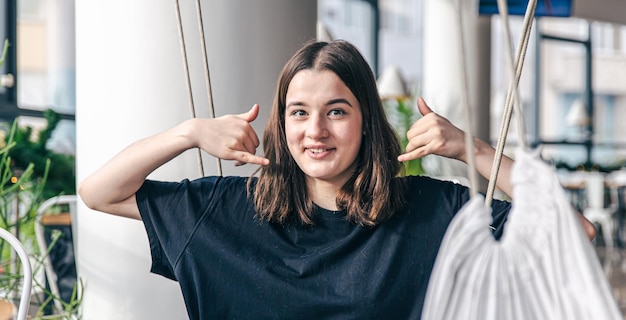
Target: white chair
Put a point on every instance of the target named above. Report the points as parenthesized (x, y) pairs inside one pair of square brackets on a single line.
[(27, 272), (51, 275), (595, 210), (617, 182)]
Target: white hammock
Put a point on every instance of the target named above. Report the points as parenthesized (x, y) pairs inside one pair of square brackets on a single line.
[(544, 267)]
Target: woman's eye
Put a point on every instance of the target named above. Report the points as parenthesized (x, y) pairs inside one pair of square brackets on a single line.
[(298, 113), (336, 112)]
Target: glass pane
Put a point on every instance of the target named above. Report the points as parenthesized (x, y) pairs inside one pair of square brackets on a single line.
[(45, 49), (46, 65)]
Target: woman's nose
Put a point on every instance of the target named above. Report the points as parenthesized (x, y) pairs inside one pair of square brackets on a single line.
[(316, 127)]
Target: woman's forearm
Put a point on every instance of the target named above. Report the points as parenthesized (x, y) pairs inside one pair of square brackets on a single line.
[(112, 188), (485, 155)]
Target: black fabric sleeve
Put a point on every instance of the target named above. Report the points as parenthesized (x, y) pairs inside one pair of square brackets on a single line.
[(456, 196), (170, 211), (499, 212)]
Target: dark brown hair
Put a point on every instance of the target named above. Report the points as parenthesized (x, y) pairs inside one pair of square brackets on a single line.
[(372, 193)]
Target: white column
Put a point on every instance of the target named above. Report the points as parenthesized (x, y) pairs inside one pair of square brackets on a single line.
[(130, 84), (443, 71)]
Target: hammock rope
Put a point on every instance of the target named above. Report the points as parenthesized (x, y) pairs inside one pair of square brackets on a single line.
[(207, 77), (512, 98), (469, 136)]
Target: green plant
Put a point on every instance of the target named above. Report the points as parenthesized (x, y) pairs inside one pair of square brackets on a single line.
[(25, 168), (402, 117), (5, 49), (61, 177), (20, 198)]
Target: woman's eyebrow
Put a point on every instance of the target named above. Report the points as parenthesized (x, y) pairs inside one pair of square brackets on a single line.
[(330, 102), (295, 103), (339, 100)]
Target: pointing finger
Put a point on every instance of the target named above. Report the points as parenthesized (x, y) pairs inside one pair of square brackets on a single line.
[(246, 157)]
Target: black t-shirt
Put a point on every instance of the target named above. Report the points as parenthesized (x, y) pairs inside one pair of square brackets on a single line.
[(232, 265)]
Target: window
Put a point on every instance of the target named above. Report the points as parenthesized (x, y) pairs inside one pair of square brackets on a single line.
[(41, 63)]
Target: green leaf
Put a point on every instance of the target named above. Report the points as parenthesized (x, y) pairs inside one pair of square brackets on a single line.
[(5, 49)]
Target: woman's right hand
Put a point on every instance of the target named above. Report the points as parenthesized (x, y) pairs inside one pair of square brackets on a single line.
[(230, 137), (112, 188)]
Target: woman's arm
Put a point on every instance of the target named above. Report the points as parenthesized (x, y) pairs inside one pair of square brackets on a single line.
[(434, 134), (112, 188)]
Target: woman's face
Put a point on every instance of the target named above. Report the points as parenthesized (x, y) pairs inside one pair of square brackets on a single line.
[(323, 126)]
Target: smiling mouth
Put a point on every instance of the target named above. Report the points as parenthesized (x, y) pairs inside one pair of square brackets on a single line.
[(317, 150)]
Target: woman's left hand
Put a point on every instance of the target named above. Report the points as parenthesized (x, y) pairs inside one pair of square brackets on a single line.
[(433, 134)]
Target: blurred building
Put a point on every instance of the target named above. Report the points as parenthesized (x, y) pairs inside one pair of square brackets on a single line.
[(550, 85)]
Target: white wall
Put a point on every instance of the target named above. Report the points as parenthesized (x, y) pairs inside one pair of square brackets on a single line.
[(130, 84)]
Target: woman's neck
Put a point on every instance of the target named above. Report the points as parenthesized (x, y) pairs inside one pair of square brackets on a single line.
[(323, 193)]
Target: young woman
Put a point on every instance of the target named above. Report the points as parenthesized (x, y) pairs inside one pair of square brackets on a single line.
[(327, 229)]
